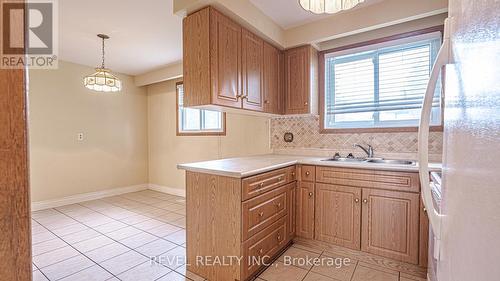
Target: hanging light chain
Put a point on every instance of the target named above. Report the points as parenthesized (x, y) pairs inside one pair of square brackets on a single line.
[(102, 64)]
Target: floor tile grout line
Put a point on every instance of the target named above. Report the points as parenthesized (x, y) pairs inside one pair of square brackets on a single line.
[(132, 249), (131, 225), (73, 257)]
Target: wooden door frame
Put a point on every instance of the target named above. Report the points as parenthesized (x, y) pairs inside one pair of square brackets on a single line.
[(15, 213)]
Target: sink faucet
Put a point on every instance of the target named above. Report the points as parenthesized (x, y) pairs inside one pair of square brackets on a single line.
[(368, 151)]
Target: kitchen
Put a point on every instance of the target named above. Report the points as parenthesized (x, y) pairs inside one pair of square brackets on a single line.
[(256, 140)]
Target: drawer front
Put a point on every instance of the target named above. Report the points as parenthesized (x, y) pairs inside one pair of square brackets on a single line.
[(263, 210), (261, 248), (307, 173), (259, 184), (401, 181)]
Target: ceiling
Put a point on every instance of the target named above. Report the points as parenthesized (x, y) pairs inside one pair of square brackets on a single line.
[(145, 35), (289, 13)]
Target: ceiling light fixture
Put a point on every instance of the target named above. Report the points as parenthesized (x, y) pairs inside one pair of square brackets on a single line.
[(102, 80), (328, 6)]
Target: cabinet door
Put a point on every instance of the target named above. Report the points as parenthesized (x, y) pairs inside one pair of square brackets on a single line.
[(291, 204), (297, 79), (305, 210), (272, 79), (252, 71), (338, 215), (225, 60), (390, 222)]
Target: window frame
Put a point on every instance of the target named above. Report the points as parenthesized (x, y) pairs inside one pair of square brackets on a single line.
[(179, 132), (321, 80)]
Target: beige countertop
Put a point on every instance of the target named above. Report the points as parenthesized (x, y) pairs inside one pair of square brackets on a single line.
[(248, 166)]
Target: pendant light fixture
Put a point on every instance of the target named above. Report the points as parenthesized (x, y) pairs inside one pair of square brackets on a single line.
[(102, 80), (328, 6)]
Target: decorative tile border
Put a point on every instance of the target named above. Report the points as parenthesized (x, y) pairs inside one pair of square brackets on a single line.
[(307, 137)]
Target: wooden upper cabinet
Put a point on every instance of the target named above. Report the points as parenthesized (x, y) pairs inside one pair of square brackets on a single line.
[(338, 215), (252, 71), (273, 79), (211, 59), (301, 93), (390, 224), (226, 65), (305, 210), (225, 60)]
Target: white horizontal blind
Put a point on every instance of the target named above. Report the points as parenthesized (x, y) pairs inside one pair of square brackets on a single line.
[(380, 88), (193, 120)]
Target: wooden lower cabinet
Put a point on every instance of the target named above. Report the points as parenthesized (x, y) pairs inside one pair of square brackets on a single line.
[(338, 215), (305, 210), (291, 204), (390, 224), (249, 218)]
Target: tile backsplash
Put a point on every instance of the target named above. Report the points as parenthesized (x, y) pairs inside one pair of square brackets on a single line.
[(308, 140)]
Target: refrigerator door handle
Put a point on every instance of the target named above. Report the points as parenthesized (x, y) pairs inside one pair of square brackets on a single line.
[(442, 59)]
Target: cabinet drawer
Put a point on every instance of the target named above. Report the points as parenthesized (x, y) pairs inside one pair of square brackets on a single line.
[(402, 181), (261, 211), (259, 184), (307, 173), (261, 248)]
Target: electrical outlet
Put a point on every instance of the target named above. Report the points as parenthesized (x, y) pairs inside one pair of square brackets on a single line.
[(80, 136)]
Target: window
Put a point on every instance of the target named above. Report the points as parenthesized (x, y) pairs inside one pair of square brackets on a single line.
[(380, 85), (193, 121)]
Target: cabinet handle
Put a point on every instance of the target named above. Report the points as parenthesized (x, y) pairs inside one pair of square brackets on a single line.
[(356, 200), (279, 237), (261, 214), (261, 251), (365, 201), (310, 194), (261, 184), (308, 173), (280, 178), (278, 204)]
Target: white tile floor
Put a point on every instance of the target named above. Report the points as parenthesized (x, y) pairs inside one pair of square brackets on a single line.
[(115, 238), (141, 236)]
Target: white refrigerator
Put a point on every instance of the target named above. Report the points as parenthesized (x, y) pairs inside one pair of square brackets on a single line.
[(466, 225)]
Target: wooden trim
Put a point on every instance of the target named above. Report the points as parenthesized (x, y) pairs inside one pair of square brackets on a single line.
[(197, 133), (385, 39), (15, 213), (321, 79)]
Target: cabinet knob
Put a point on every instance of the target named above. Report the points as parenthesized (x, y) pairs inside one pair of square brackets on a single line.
[(310, 194), (261, 251), (278, 204), (365, 201), (279, 237), (308, 173), (306, 103), (261, 184), (425, 210), (266, 102), (261, 214), (280, 178), (293, 174), (356, 200)]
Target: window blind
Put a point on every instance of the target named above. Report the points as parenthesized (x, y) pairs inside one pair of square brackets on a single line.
[(380, 88)]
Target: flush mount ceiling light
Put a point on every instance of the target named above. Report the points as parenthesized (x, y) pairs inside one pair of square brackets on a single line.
[(102, 80), (328, 6)]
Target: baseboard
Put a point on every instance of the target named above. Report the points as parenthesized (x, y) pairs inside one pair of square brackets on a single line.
[(47, 204), (167, 189)]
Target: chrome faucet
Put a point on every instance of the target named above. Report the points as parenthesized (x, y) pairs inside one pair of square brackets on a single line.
[(368, 151)]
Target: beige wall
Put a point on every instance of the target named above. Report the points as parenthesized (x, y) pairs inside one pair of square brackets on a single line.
[(246, 135), (114, 151)]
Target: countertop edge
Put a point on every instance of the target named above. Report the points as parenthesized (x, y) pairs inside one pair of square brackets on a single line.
[(315, 162)]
